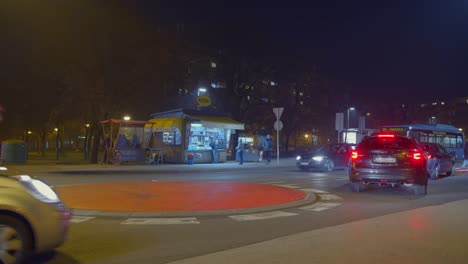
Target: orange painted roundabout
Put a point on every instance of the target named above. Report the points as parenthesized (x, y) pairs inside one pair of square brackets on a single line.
[(175, 196)]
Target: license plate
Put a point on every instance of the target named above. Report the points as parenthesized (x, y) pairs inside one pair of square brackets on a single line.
[(384, 160), (305, 163)]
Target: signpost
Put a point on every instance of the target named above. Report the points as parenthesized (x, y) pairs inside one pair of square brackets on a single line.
[(278, 126)]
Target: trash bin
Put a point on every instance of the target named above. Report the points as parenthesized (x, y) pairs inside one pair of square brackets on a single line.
[(190, 159), (14, 151)]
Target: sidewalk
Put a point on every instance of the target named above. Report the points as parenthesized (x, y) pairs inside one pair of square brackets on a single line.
[(431, 235), (36, 166)]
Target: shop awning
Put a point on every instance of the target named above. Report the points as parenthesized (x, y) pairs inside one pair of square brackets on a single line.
[(219, 122), (165, 124)]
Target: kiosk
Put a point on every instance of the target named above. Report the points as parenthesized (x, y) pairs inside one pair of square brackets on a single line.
[(182, 133)]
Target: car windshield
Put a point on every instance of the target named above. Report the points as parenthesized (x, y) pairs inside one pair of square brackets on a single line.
[(387, 143)]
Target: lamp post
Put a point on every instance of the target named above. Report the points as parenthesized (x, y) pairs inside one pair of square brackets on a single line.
[(306, 137), (347, 123), (57, 147), (126, 118), (86, 149)]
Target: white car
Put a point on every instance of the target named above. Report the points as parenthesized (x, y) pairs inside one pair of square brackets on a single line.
[(32, 217)]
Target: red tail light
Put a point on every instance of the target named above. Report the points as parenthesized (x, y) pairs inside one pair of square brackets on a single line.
[(417, 156), (354, 155), (385, 136)]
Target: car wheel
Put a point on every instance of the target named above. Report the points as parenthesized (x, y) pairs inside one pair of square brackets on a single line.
[(356, 187), (435, 173), (16, 242), (329, 166), (451, 171), (420, 189)]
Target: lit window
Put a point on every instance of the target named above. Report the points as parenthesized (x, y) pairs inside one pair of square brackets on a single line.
[(403, 106), (442, 103), (435, 103), (273, 83), (213, 64), (423, 105), (301, 93), (301, 102)]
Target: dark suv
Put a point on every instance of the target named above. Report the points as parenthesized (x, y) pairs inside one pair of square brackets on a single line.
[(388, 159)]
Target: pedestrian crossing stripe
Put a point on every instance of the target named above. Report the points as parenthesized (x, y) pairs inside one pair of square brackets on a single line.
[(318, 207), (329, 197), (312, 191), (80, 219), (161, 221), (261, 216)]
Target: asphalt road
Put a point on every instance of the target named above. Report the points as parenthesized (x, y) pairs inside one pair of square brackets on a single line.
[(114, 240)]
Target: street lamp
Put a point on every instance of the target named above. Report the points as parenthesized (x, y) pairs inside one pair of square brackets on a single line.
[(347, 126), (86, 141), (57, 147), (201, 90), (306, 136), (126, 118)]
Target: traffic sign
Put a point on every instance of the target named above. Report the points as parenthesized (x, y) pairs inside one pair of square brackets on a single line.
[(278, 125), (278, 111)]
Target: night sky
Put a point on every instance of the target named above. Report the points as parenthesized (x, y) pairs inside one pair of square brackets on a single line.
[(419, 47), (384, 48)]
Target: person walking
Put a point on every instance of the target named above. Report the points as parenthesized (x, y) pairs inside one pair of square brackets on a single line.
[(267, 146), (106, 147), (240, 149), (214, 149)]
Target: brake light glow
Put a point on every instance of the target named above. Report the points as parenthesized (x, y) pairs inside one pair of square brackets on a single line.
[(417, 156), (385, 136), (354, 155)]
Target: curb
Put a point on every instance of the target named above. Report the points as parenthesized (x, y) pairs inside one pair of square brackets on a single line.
[(310, 198)]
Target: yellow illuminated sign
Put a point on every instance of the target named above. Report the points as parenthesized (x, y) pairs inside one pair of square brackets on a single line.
[(394, 129), (203, 100)]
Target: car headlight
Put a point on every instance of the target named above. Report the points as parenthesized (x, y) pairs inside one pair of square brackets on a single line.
[(298, 158), (317, 158), (39, 189)]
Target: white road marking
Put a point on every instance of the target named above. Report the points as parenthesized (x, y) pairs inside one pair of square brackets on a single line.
[(318, 181), (317, 207), (329, 197), (80, 219), (160, 221), (273, 183), (293, 186), (261, 216), (312, 191)]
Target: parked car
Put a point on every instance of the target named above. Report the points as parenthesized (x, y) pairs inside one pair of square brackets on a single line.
[(326, 158), (439, 160), (32, 217), (386, 159)]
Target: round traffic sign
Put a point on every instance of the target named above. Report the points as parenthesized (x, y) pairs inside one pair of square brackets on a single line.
[(278, 125)]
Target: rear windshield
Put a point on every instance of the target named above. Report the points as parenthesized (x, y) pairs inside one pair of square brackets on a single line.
[(387, 143)]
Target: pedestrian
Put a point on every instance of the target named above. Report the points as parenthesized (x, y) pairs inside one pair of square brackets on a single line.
[(267, 146), (106, 146), (240, 149), (214, 149)]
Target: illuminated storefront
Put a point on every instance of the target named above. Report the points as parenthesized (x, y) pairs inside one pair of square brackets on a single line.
[(184, 133)]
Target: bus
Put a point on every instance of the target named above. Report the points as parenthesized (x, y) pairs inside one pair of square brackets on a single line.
[(451, 138)]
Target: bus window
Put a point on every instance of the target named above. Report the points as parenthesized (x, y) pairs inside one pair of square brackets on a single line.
[(459, 142)]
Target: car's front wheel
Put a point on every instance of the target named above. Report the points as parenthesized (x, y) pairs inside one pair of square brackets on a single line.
[(329, 166), (451, 171), (16, 243)]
